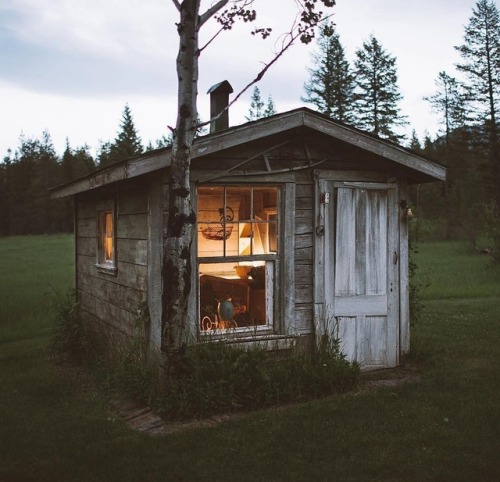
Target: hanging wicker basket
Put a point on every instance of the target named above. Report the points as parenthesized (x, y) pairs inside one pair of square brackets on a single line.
[(216, 233)]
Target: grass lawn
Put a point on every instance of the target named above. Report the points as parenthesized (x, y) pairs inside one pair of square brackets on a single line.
[(451, 270), (55, 426)]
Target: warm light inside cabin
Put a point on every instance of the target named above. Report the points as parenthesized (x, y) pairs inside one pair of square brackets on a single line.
[(108, 237), (237, 254)]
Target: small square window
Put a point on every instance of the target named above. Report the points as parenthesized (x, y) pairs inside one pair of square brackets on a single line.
[(106, 240)]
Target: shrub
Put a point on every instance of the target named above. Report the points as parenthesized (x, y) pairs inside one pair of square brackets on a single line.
[(71, 335), (215, 377), (219, 377)]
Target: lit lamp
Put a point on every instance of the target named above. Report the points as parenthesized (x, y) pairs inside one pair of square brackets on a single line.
[(406, 208), (245, 239), (248, 248)]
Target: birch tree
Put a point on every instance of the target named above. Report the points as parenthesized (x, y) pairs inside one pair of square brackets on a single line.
[(176, 270)]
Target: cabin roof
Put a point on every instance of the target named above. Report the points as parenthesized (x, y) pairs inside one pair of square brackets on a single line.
[(422, 169)]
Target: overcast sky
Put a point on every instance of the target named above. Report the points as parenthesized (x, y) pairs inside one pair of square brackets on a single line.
[(69, 66)]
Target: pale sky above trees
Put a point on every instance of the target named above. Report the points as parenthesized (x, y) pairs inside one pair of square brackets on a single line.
[(70, 66)]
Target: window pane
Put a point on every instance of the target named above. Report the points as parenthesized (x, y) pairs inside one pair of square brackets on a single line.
[(108, 241), (211, 225), (237, 221), (234, 296)]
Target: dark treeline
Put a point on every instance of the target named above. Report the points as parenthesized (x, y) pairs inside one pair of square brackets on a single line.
[(25, 179), (364, 94), (27, 174)]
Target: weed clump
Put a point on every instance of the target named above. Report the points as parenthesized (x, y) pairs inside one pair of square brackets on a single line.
[(220, 378), (71, 335), (215, 377)]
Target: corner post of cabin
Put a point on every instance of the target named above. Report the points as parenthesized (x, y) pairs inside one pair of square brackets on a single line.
[(404, 273), (288, 260), (319, 312)]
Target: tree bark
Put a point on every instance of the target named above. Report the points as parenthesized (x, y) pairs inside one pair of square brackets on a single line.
[(176, 271)]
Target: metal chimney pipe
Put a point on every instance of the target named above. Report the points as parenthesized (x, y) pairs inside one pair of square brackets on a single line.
[(219, 100)]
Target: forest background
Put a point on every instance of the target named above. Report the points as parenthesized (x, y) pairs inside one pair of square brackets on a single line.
[(363, 93)]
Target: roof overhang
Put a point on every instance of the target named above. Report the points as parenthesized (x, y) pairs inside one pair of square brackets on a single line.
[(254, 131)]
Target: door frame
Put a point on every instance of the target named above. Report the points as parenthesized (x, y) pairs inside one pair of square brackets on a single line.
[(397, 308)]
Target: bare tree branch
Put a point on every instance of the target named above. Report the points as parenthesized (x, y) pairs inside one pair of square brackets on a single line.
[(288, 40), (259, 76), (177, 4), (200, 50), (245, 4), (211, 12)]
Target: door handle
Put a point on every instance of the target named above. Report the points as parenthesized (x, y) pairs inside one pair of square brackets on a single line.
[(395, 257)]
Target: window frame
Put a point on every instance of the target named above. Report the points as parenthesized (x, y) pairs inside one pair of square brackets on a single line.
[(104, 265), (272, 266)]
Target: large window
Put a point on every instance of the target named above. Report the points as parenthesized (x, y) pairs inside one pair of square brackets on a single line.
[(238, 253)]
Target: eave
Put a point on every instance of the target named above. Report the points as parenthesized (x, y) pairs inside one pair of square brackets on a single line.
[(251, 132)]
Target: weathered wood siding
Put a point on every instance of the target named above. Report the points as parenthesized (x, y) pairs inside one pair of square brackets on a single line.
[(304, 252), (112, 300)]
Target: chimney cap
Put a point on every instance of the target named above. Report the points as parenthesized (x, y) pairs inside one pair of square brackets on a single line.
[(221, 86)]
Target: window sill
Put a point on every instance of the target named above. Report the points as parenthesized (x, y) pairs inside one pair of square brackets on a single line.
[(262, 341), (107, 269)]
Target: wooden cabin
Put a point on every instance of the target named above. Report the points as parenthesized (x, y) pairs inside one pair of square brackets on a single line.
[(302, 230)]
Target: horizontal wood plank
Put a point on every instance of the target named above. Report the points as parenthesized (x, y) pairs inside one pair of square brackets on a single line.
[(132, 203), (127, 274), (132, 226), (304, 225), (304, 241), (373, 305), (87, 227), (133, 251), (303, 294), (125, 297)]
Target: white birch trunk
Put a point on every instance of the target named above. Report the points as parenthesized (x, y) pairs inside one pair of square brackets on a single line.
[(176, 272)]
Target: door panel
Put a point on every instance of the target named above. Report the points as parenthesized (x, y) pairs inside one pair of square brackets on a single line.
[(359, 245)]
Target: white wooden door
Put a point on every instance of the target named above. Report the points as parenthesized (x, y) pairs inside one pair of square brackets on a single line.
[(361, 276)]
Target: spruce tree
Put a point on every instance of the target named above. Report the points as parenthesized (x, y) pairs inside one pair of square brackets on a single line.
[(480, 54), (448, 103), (256, 106), (257, 110), (270, 108), (414, 144), (331, 84), (127, 143), (377, 93)]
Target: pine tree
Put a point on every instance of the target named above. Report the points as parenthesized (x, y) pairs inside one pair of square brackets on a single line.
[(33, 170), (448, 103), (257, 110), (414, 144), (270, 108), (480, 54), (377, 94), (256, 106), (481, 60), (331, 85), (75, 163), (127, 143)]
